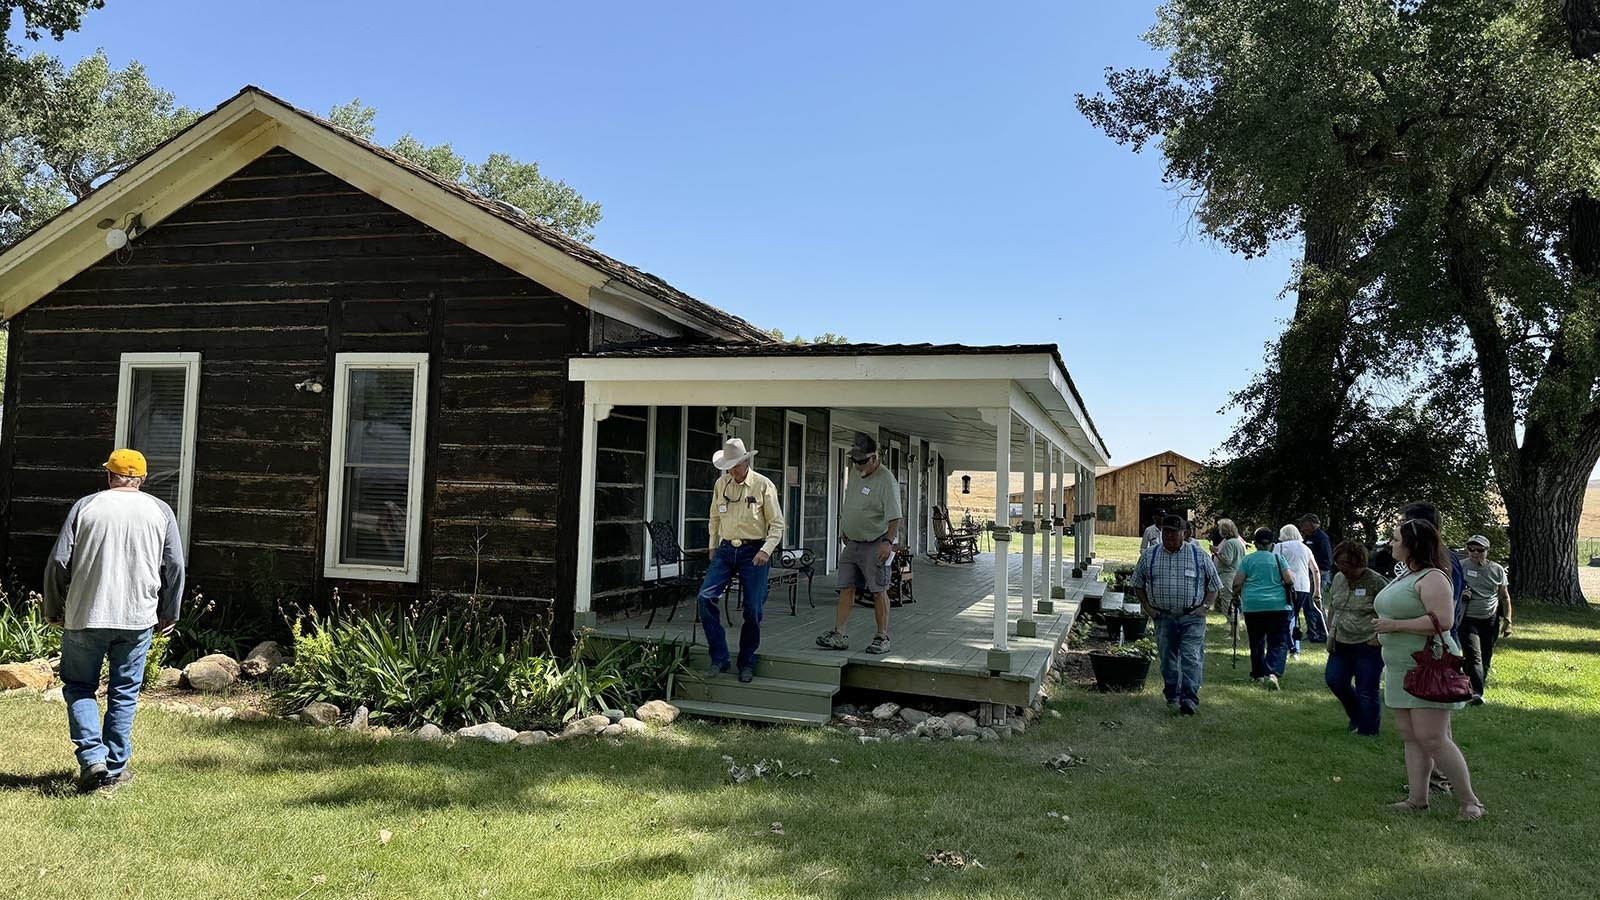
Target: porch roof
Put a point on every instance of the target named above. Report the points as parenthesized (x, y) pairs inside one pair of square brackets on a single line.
[(948, 393)]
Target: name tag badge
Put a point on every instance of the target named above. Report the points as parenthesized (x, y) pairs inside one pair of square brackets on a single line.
[(1188, 573), (1472, 574), (1361, 592), (865, 491), (722, 507)]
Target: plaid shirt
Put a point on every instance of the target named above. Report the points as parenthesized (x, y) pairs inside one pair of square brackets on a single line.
[(1176, 582)]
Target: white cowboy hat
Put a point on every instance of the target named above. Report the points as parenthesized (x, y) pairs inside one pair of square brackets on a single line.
[(731, 454)]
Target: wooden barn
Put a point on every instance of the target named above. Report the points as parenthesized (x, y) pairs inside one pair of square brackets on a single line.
[(1127, 497), (348, 373)]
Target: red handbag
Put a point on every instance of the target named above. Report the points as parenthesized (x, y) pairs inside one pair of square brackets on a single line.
[(1438, 677)]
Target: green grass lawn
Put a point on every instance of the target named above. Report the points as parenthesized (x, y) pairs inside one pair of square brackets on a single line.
[(1261, 796), (1107, 548)]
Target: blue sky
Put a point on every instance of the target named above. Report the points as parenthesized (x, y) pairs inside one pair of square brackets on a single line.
[(891, 172)]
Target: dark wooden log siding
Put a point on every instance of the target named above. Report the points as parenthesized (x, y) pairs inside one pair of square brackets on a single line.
[(268, 276)]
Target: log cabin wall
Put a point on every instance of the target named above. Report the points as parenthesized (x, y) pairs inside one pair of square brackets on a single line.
[(268, 276)]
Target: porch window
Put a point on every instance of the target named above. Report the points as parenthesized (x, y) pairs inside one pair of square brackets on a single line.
[(794, 479), (664, 493), (375, 478), (157, 398)]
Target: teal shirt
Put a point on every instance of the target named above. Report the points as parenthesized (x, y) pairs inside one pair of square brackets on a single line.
[(1263, 583)]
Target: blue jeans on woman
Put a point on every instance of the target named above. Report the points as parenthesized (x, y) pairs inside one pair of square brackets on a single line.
[(1316, 628), (727, 562), (1181, 642), (1363, 665), (97, 740), (1269, 642)]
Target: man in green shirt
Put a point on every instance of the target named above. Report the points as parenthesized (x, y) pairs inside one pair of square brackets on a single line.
[(1488, 612), (869, 520)]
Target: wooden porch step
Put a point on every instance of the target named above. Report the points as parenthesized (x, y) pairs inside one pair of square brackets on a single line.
[(751, 713), (777, 695), (779, 666)]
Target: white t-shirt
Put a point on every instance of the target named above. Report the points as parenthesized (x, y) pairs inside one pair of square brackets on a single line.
[(1299, 558), (118, 563)]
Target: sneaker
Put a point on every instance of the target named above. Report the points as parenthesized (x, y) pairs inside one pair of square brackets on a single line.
[(880, 644), (1294, 654), (110, 782), (747, 675), (1186, 709), (833, 640), (1272, 683), (90, 777), (1477, 700), (715, 669)]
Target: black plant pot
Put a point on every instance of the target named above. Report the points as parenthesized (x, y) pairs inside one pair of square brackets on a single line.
[(1129, 628), (1119, 673)]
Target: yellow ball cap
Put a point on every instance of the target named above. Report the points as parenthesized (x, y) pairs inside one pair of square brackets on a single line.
[(126, 462)]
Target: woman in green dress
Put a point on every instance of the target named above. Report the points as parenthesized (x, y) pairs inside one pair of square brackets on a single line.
[(1404, 626)]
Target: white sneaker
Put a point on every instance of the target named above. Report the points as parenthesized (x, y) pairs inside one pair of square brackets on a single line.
[(1272, 682)]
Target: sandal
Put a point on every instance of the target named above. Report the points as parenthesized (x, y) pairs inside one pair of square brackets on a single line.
[(1463, 816), (1407, 805)]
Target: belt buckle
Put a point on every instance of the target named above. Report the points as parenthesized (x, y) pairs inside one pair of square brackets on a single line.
[(737, 542)]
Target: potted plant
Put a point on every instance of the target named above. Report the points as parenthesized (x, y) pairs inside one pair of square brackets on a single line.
[(1125, 625), (1123, 667)]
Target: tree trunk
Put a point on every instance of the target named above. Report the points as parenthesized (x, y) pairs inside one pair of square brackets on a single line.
[(1544, 528)]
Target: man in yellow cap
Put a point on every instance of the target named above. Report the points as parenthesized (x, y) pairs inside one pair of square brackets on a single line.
[(114, 578)]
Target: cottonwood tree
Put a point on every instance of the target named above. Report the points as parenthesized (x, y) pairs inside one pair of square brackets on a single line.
[(499, 177), (71, 131), (39, 17), (1436, 160)]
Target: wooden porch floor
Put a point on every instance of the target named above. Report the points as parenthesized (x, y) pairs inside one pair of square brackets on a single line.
[(940, 642)]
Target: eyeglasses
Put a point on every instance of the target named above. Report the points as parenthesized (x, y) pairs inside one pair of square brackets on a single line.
[(862, 462), (1477, 549)]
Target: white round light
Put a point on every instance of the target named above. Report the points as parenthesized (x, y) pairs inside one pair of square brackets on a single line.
[(116, 239)]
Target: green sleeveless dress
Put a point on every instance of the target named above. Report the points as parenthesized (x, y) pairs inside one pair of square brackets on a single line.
[(1400, 600)]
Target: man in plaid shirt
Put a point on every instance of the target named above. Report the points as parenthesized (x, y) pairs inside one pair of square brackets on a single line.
[(1176, 582)]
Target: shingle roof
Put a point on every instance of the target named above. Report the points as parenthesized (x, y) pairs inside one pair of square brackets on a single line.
[(690, 349)]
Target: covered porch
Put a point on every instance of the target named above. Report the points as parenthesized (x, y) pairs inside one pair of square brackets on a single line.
[(937, 410)]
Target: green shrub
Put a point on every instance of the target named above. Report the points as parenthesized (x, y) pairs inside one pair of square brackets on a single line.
[(204, 627), (156, 657), (24, 635), (457, 666)]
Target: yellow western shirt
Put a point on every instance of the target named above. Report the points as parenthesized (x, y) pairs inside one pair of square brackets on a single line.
[(746, 512)]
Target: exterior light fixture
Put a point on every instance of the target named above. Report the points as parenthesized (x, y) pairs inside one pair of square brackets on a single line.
[(117, 238), (966, 484)]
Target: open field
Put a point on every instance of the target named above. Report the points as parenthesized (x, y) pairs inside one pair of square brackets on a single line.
[(1261, 796)]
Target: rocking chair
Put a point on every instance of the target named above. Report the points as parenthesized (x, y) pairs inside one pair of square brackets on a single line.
[(956, 547)]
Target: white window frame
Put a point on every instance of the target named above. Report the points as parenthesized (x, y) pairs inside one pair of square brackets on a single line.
[(650, 488), (796, 418), (410, 570), (189, 362)]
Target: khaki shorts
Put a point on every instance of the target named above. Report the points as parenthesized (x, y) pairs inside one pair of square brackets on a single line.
[(858, 565)]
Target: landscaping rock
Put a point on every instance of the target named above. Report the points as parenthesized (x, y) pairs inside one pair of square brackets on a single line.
[(380, 733), (966, 738), (846, 709), (213, 673), (615, 715), (869, 739), (530, 738), (586, 727), (492, 732), (912, 716), (857, 732), (224, 713), (266, 657), (1004, 731), (937, 728), (251, 715), (54, 695), (881, 733), (988, 734), (34, 676), (1019, 726), (658, 712), (430, 733), (611, 731), (361, 719), (1055, 713), (885, 711), (324, 715), (170, 678), (961, 723), (1028, 715), (630, 725)]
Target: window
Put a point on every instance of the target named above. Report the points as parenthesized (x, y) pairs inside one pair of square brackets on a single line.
[(375, 477), (157, 399), (794, 478), (664, 480)]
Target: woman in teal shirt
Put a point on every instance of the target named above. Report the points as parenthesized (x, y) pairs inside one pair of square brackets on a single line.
[(1260, 584), (1410, 610)]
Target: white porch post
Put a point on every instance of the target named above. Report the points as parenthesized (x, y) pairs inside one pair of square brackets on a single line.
[(1052, 494), (583, 584), (1089, 509), (1025, 625), (1000, 656), (1060, 463)]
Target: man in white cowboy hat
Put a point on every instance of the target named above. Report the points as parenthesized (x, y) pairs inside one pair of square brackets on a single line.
[(746, 526)]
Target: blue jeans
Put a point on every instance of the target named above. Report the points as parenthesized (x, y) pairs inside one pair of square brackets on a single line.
[(1316, 627), (725, 563), (1269, 642), (1181, 642), (82, 651), (1362, 664)]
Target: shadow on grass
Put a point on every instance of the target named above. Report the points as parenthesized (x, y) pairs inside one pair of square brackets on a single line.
[(51, 784), (1541, 645)]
